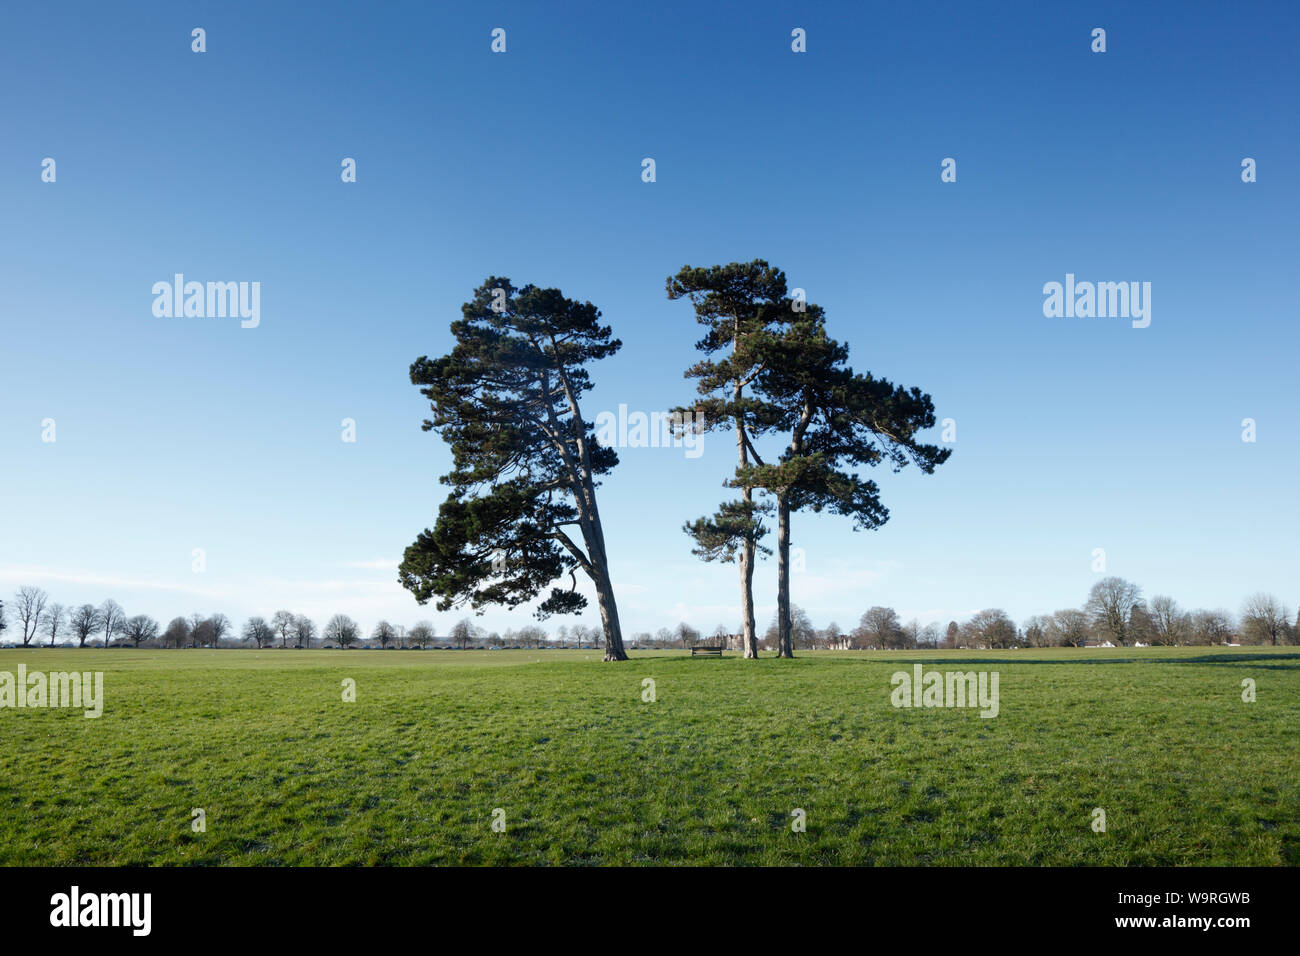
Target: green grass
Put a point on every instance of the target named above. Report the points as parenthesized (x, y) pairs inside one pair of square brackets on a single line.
[(588, 773)]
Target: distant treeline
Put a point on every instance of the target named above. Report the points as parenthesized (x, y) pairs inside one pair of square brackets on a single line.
[(32, 619), (1115, 613)]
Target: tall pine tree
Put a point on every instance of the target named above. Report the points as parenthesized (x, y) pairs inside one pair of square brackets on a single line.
[(835, 421), (739, 305), (522, 511)]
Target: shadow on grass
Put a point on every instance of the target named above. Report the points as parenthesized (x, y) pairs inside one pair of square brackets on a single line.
[(1293, 660), (1256, 660)]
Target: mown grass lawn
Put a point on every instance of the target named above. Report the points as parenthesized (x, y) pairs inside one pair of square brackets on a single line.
[(587, 772)]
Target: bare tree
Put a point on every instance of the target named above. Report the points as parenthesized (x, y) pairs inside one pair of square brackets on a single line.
[(1169, 625), (342, 630), (384, 633), (258, 631), (29, 609), (84, 621), (421, 634), (1212, 627), (1038, 631), (304, 630), (1110, 608), (1068, 627), (283, 623), (802, 633), (217, 627), (1264, 619), (879, 628), (462, 633), (177, 633), (111, 619), (54, 620), (991, 628), (530, 635), (139, 629)]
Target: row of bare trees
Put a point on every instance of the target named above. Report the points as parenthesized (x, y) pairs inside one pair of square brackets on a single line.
[(38, 617), (1114, 613), (1118, 614), (107, 624), (35, 617)]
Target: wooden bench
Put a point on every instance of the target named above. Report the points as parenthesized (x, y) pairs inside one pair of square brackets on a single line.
[(706, 651)]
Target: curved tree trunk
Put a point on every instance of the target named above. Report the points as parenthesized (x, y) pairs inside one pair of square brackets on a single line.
[(594, 534), (609, 618)]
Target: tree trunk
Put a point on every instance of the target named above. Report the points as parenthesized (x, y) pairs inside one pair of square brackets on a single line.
[(749, 635), (784, 641), (593, 534), (584, 495), (595, 541), (747, 551), (609, 617), (749, 639), (784, 626)]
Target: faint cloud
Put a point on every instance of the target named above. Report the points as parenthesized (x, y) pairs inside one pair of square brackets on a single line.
[(27, 575), (841, 579), (623, 587), (937, 616), (378, 564)]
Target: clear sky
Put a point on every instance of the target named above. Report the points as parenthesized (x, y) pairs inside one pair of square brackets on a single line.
[(1071, 433)]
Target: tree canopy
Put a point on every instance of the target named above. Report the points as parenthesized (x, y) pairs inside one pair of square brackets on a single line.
[(506, 399)]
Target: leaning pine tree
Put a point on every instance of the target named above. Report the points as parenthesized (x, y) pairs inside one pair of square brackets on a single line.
[(738, 305), (522, 510), (835, 421)]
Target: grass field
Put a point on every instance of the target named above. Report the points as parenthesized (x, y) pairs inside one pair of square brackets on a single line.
[(587, 772)]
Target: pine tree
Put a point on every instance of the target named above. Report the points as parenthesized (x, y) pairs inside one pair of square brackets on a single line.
[(525, 461), (834, 421), (738, 305)]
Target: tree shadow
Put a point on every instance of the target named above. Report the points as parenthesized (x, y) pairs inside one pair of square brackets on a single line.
[(1292, 659)]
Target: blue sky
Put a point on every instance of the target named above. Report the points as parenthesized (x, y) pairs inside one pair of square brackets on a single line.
[(1072, 434)]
